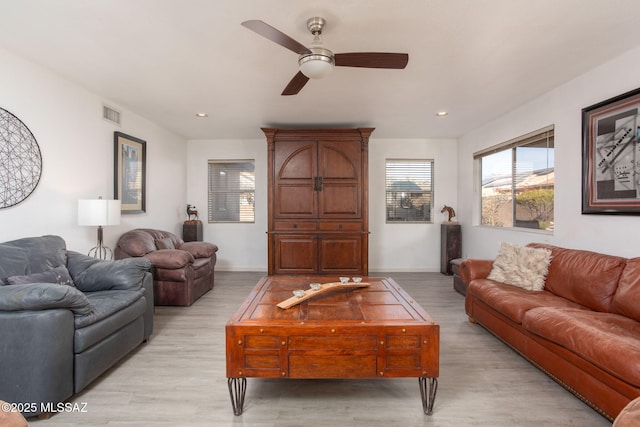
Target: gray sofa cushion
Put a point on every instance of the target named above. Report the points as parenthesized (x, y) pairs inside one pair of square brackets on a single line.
[(42, 296), (43, 253), (91, 275), (13, 262), (59, 275), (114, 309), (107, 303)]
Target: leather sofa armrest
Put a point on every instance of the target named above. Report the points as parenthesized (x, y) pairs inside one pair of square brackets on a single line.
[(37, 357), (170, 259), (471, 269), (90, 274), (199, 249), (147, 285)]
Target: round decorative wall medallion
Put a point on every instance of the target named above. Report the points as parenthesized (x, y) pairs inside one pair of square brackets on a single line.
[(20, 160)]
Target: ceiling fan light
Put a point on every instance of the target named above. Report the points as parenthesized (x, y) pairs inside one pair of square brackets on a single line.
[(317, 64)]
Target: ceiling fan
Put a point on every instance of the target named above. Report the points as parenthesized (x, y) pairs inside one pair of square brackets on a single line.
[(316, 61)]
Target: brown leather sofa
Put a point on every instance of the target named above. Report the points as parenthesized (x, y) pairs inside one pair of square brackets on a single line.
[(183, 271), (582, 329)]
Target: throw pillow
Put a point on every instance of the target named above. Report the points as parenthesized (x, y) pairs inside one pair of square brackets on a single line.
[(520, 266), (59, 275), (13, 262), (165, 243)]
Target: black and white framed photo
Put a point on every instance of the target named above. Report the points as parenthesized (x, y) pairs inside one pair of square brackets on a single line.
[(611, 156)]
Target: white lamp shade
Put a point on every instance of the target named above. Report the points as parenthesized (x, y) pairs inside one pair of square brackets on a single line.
[(98, 212)]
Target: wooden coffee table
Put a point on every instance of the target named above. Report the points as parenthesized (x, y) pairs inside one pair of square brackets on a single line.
[(377, 331)]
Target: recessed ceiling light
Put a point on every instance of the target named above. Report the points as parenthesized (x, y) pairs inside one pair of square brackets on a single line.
[(202, 115), (441, 113)]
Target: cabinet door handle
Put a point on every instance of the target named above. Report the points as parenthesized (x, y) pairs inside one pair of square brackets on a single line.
[(315, 183), (319, 183)]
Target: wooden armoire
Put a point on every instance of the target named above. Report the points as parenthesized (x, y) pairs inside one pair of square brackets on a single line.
[(318, 201)]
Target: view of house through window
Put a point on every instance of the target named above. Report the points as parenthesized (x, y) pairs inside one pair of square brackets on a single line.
[(517, 182), (232, 188), (409, 190)]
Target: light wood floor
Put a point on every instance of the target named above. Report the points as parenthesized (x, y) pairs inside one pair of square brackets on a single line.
[(178, 377)]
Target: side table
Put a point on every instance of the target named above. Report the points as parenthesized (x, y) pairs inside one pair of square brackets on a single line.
[(450, 245), (192, 231)]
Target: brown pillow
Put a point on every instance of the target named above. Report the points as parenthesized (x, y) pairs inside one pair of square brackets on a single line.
[(165, 243)]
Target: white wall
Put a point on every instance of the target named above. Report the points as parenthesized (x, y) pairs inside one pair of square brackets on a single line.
[(77, 154), (562, 107), (409, 247), (241, 246), (392, 247)]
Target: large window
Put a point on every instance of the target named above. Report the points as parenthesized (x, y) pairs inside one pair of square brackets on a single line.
[(517, 182), (409, 190), (232, 188)]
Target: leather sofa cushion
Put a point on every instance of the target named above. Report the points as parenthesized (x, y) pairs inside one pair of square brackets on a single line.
[(199, 249), (629, 416), (43, 253), (13, 262), (626, 300), (170, 258), (165, 243), (137, 243), (609, 341), (113, 310), (44, 296), (200, 267), (90, 274), (584, 277), (513, 301)]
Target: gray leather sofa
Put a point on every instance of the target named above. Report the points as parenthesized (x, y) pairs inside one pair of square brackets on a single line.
[(65, 318)]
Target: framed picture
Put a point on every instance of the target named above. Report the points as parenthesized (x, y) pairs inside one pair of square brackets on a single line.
[(130, 164), (611, 156)]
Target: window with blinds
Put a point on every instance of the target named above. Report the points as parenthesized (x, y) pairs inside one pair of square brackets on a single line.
[(409, 190), (232, 188), (517, 182)]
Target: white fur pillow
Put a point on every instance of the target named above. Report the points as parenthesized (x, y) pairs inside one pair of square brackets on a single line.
[(520, 266)]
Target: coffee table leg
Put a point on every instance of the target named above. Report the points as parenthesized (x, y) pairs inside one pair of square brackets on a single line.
[(237, 390), (428, 389)]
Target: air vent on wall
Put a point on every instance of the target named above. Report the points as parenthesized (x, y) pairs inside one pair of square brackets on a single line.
[(110, 114)]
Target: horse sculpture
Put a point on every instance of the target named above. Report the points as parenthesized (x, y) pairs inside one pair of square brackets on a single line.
[(450, 211), (192, 212)]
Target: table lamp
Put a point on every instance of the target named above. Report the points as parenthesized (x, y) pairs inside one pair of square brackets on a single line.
[(99, 212)]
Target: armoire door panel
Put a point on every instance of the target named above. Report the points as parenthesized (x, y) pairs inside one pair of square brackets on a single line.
[(339, 200), (339, 160), (341, 253), (296, 160), (296, 254), (295, 200)]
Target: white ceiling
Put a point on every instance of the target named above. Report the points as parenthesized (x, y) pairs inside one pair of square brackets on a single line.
[(168, 59)]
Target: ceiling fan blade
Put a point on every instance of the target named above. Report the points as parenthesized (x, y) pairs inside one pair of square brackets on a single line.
[(276, 36), (372, 60), (296, 84)]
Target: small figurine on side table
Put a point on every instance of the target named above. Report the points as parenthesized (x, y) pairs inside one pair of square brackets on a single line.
[(450, 211), (192, 212)]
